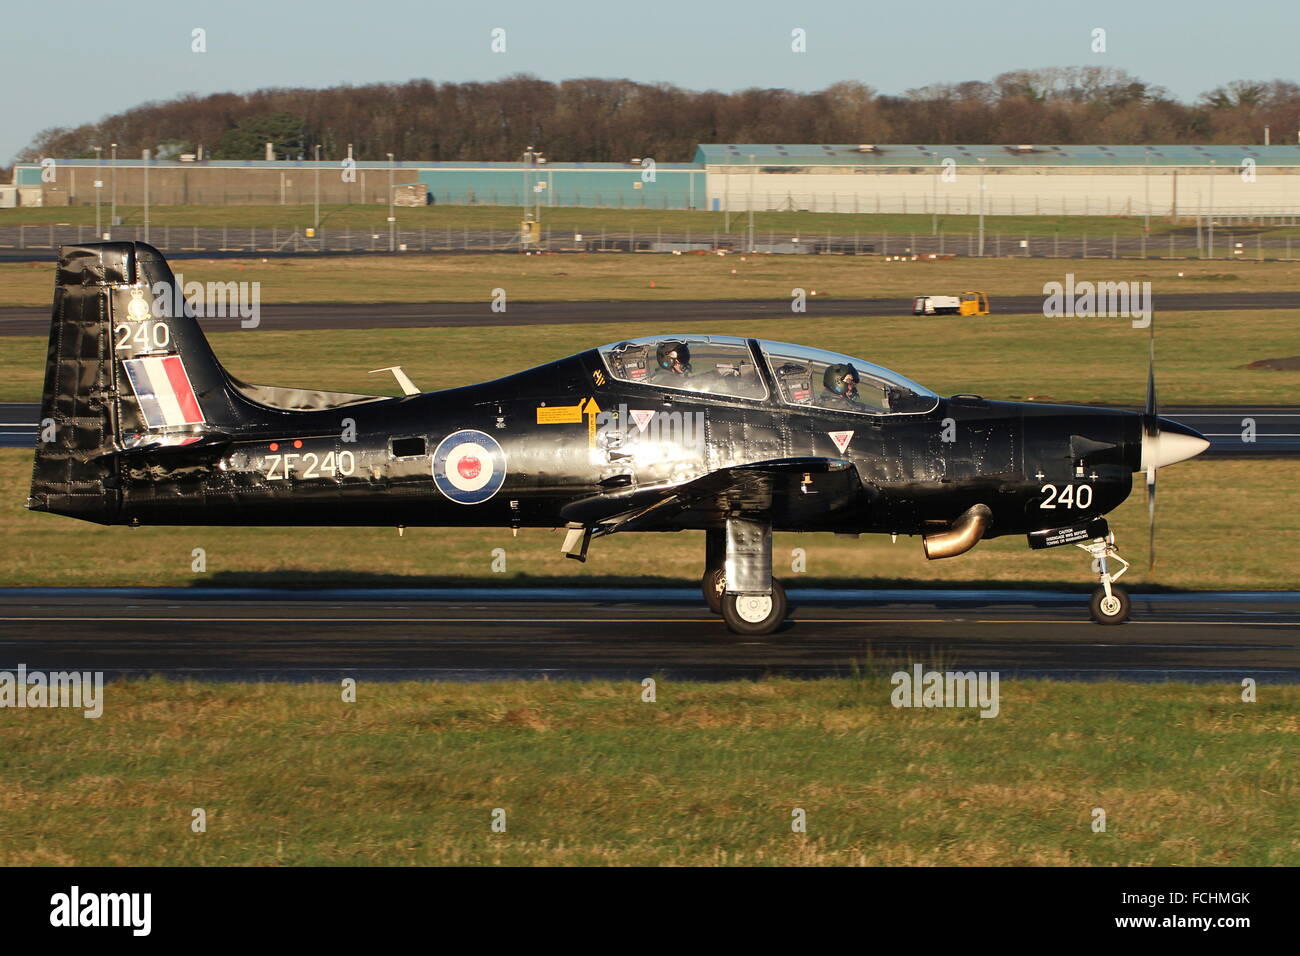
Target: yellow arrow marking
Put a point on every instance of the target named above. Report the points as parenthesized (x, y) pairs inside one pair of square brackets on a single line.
[(591, 410)]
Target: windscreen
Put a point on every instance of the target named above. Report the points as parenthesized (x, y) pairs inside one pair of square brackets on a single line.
[(821, 379)]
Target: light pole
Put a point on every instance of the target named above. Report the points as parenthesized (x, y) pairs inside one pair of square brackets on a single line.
[(112, 215), (145, 155), (934, 204), (99, 185), (752, 169), (981, 242), (316, 218), (1146, 190), (392, 214), (1211, 235)]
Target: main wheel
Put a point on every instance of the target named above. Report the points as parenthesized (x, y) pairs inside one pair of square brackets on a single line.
[(1110, 610), (754, 614), (712, 585)]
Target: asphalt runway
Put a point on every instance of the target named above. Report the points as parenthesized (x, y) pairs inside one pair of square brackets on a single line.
[(1277, 428), (631, 634), (668, 315)]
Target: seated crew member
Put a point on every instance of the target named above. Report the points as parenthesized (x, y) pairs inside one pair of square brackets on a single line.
[(841, 384), (673, 364)]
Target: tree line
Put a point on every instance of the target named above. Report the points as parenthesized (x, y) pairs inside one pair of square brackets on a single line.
[(612, 120)]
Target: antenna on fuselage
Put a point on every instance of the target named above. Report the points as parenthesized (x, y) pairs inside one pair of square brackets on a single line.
[(408, 387)]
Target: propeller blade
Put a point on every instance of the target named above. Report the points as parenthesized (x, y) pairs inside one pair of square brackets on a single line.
[(1151, 519), (1151, 423), (1152, 410)]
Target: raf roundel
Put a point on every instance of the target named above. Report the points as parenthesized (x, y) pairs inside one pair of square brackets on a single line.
[(469, 467)]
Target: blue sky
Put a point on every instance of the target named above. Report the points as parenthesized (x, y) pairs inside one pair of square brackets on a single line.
[(79, 61)]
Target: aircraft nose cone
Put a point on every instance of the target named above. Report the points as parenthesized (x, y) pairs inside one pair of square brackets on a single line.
[(1176, 442)]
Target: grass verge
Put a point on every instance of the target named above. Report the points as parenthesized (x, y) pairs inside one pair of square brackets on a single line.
[(621, 277), (411, 773)]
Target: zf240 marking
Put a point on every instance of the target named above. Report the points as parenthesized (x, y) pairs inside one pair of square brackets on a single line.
[(310, 465), (1071, 496)]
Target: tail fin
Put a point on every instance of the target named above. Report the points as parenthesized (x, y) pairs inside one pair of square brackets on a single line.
[(126, 368)]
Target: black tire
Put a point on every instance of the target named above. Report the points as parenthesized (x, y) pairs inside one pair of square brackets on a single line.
[(1113, 611), (712, 587), (739, 612)]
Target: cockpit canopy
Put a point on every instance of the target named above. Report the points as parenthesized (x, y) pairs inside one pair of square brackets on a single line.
[(726, 366)]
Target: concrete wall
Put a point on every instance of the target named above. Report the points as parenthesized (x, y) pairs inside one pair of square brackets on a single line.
[(219, 186), (1020, 192)]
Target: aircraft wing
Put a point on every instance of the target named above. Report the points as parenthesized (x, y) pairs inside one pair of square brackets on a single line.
[(747, 489)]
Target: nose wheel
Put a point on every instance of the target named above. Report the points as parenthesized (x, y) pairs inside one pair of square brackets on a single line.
[(1109, 608), (1110, 603)]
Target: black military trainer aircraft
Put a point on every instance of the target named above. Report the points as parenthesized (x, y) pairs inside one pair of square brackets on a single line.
[(737, 437)]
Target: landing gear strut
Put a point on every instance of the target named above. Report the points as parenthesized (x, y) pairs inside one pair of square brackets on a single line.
[(1110, 603), (738, 581)]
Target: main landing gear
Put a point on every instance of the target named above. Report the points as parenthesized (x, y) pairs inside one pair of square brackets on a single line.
[(738, 581), (1110, 603)]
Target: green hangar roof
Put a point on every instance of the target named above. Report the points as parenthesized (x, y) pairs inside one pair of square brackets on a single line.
[(887, 154)]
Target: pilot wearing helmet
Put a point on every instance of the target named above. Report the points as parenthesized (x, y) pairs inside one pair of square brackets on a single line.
[(841, 384), (672, 365)]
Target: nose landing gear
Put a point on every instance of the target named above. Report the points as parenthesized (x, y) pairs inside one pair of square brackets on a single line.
[(1110, 603)]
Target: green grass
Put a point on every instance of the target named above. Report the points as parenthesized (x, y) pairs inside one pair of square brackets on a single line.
[(1209, 538), (374, 217), (411, 773), (612, 276)]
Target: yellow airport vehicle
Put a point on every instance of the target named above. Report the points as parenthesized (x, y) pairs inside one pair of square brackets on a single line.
[(968, 303)]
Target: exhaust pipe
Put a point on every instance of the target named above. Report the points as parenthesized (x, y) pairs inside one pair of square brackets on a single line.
[(961, 537)]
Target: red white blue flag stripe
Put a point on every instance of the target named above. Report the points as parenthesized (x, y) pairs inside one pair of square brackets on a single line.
[(164, 391)]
